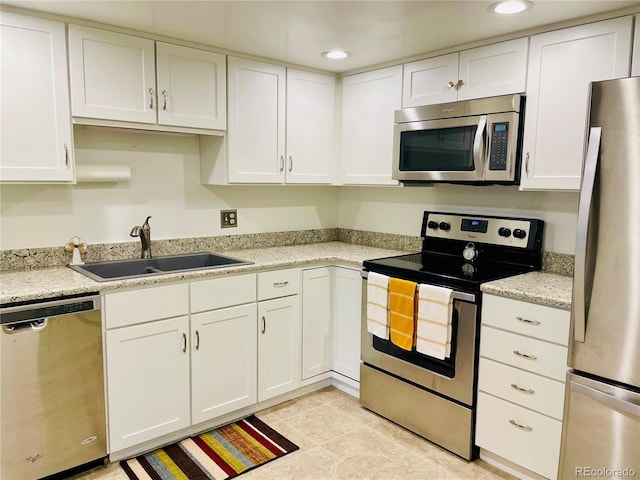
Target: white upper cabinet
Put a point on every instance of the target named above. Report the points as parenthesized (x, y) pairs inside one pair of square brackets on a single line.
[(498, 69), (192, 87), (256, 122), (562, 65), (635, 63), (369, 101), (113, 78), (268, 104), (35, 140), (310, 127)]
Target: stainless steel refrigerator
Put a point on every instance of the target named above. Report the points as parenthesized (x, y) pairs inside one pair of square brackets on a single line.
[(601, 427)]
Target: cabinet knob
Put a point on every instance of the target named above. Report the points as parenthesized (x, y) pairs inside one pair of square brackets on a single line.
[(451, 84)]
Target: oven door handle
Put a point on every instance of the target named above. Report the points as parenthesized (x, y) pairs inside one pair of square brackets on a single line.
[(455, 295)]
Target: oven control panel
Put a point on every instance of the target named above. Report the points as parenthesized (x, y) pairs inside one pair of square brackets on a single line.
[(511, 232)]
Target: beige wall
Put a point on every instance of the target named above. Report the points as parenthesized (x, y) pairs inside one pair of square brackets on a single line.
[(165, 184)]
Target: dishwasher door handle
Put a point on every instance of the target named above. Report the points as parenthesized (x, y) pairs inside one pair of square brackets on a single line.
[(31, 325)]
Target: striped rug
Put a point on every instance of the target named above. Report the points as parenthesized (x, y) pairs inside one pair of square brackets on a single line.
[(225, 452)]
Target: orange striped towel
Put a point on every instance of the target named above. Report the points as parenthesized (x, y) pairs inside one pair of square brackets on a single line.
[(378, 305), (402, 295), (435, 308)]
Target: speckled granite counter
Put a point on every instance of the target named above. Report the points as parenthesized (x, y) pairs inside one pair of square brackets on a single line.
[(35, 284), (535, 287)]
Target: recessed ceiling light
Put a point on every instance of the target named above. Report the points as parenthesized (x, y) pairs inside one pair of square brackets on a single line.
[(509, 7), (336, 54)]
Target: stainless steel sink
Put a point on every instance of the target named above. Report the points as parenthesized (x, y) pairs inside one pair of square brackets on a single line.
[(144, 267)]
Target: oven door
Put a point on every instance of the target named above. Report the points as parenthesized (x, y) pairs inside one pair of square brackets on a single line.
[(457, 150), (454, 377)]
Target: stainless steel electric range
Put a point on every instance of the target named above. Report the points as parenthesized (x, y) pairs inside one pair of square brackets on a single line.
[(436, 398)]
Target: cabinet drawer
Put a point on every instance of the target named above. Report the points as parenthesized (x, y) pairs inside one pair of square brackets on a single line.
[(139, 306), (279, 283), (527, 389), (222, 292), (534, 444), (538, 321), (527, 353)]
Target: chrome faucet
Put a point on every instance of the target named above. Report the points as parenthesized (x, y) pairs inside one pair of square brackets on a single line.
[(144, 232)]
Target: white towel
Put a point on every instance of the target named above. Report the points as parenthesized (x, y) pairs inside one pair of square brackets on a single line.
[(435, 308), (378, 305)]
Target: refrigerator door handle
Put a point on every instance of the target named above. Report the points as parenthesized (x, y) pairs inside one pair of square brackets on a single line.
[(584, 210), (607, 399)]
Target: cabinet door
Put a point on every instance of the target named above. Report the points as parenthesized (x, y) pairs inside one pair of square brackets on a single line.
[(310, 126), (430, 81), (278, 346), (369, 101), (112, 75), (255, 140), (498, 69), (35, 139), (316, 321), (348, 310), (223, 361), (562, 64), (635, 62), (147, 381), (192, 87)]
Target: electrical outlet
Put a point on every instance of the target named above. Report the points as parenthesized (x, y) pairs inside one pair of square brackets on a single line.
[(228, 218)]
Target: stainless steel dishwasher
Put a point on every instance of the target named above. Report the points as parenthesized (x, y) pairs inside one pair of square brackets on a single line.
[(52, 415)]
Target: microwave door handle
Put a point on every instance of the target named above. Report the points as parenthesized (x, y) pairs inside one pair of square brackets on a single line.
[(478, 144)]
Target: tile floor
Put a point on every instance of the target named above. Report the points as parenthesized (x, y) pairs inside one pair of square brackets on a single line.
[(340, 440)]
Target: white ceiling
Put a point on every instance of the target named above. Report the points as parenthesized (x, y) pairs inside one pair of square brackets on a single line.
[(298, 31)]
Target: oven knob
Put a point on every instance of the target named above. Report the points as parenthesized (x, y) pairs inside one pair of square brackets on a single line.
[(504, 232), (518, 233), (470, 253), (444, 226), (432, 224)]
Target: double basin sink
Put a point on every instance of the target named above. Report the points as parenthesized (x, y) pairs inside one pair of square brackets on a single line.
[(144, 267)]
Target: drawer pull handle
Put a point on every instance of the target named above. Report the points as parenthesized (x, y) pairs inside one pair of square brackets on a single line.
[(280, 284), (525, 355), (526, 428), (527, 321), (523, 390)]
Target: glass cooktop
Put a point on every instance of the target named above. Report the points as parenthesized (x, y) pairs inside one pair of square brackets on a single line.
[(444, 270)]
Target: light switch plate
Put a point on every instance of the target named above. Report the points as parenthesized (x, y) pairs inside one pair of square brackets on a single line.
[(228, 218)]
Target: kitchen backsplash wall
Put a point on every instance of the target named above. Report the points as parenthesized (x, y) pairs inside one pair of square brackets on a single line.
[(165, 183), (399, 210)]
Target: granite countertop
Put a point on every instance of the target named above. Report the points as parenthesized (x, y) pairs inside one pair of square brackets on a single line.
[(36, 284), (42, 283), (536, 287)]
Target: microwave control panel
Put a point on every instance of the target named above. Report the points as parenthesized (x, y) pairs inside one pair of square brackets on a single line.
[(499, 146)]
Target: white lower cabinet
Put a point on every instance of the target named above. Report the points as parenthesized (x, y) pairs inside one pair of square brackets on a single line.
[(147, 381), (278, 346), (347, 310), (279, 331), (317, 329), (223, 361), (523, 353), (331, 310)]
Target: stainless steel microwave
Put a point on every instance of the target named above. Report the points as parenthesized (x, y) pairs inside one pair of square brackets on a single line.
[(473, 141)]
